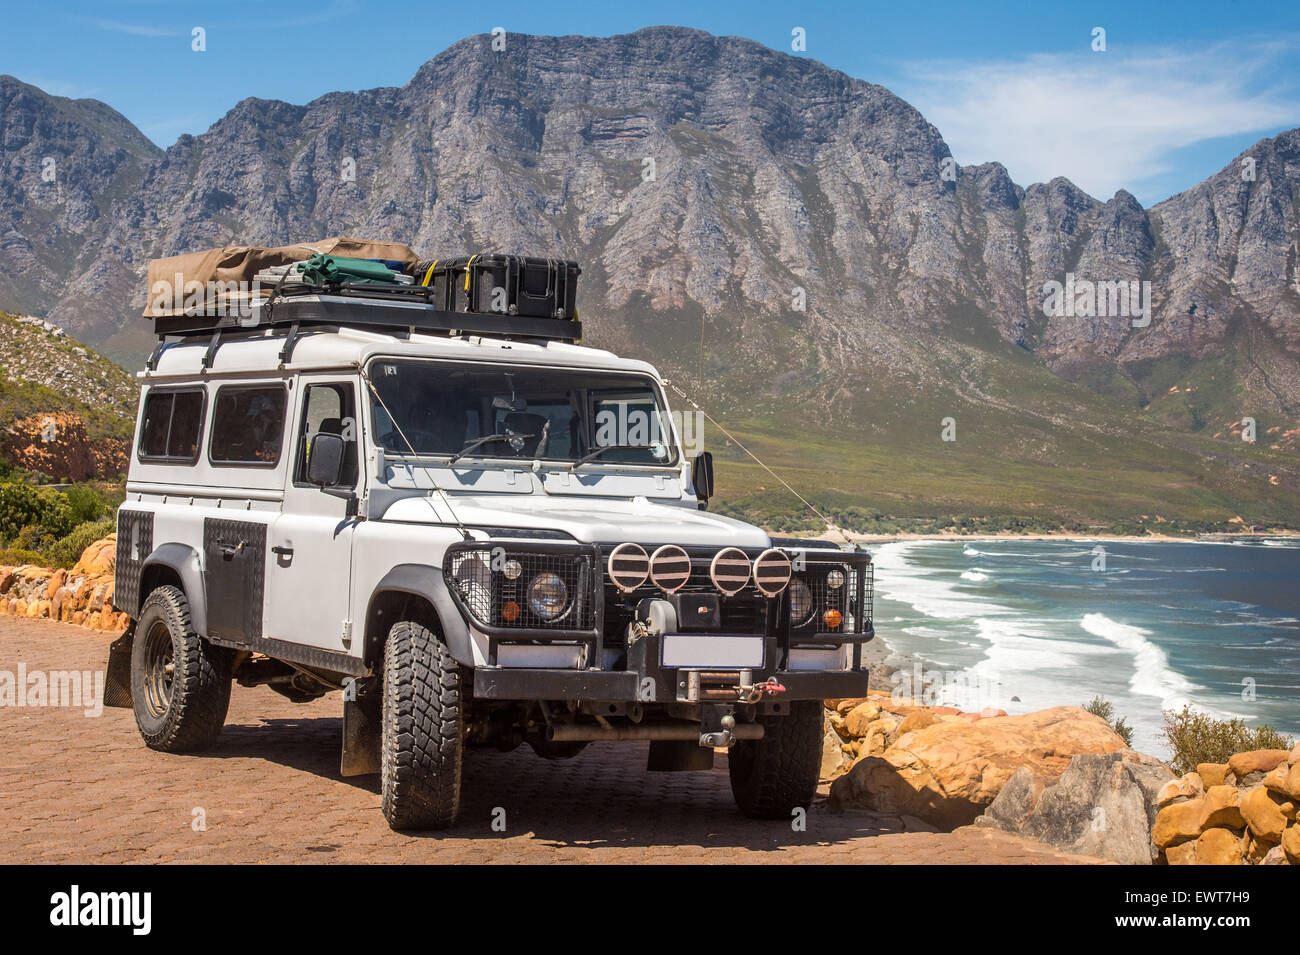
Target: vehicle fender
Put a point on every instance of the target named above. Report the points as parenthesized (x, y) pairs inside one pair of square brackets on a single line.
[(187, 564), (425, 581)]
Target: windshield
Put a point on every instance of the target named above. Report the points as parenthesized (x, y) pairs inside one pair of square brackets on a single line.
[(547, 413)]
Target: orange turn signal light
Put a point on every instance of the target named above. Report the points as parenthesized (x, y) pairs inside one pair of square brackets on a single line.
[(510, 611), (833, 619)]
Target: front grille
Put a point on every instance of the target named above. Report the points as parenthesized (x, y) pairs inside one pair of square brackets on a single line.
[(852, 600), (478, 577)]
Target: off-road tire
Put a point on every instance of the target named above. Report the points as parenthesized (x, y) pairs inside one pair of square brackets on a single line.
[(772, 776), (420, 730), (181, 711)]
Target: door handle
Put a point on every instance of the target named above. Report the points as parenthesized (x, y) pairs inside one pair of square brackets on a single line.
[(228, 551), (282, 551)]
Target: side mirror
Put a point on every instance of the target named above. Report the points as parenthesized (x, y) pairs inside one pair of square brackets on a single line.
[(702, 476), (325, 460)]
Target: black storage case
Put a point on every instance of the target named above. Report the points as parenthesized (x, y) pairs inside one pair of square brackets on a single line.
[(529, 287)]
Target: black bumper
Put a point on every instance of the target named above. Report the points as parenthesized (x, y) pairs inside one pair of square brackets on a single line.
[(498, 683)]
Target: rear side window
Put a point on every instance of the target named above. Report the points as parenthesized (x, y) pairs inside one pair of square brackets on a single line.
[(172, 424), (247, 425)]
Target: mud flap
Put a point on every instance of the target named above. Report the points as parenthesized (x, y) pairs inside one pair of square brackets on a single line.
[(360, 737), (117, 678)]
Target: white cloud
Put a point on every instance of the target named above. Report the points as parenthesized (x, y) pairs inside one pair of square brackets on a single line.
[(1104, 120)]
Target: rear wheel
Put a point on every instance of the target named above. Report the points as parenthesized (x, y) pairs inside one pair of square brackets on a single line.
[(180, 683), (420, 730), (772, 776)]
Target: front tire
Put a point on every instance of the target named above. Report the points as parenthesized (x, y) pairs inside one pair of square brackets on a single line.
[(180, 683), (420, 730), (772, 776)]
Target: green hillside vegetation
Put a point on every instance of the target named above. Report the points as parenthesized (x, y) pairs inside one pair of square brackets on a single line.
[(1032, 454)]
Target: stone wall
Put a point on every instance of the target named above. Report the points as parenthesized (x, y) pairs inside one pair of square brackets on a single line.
[(82, 595), (1242, 812)]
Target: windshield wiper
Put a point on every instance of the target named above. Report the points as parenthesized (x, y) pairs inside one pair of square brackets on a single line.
[(588, 458), (486, 439)]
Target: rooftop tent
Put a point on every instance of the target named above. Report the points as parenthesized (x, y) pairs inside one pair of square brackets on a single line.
[(223, 278)]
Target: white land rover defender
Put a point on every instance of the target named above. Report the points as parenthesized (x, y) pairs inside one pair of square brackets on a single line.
[(358, 491)]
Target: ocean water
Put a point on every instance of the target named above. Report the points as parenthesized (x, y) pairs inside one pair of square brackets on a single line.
[(1024, 625)]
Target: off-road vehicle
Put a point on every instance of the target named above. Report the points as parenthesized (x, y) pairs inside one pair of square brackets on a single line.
[(463, 523)]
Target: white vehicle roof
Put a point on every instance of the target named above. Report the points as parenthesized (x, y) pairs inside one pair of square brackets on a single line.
[(351, 347)]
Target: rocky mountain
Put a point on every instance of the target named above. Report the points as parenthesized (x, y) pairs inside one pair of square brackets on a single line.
[(796, 243), (64, 167)]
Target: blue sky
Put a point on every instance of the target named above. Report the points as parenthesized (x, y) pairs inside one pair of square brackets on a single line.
[(1180, 89)]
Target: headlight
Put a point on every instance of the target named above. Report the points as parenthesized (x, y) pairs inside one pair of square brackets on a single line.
[(547, 596), (835, 579), (512, 569), (801, 602)]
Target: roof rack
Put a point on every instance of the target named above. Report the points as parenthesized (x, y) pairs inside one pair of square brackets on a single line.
[(379, 307)]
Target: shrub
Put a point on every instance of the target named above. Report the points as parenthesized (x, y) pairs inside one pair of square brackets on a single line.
[(14, 556), (29, 538), (1196, 737), (22, 505), (1106, 710), (86, 504), (67, 550)]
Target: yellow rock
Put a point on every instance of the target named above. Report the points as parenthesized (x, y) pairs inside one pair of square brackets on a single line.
[(1291, 844), (948, 773), (1263, 815), (1276, 780), (1291, 785), (1212, 774), (1254, 849), (1178, 822), (1257, 761), (918, 720), (1218, 847), (1222, 808), (1182, 854), (1295, 755), (860, 717), (1188, 787)]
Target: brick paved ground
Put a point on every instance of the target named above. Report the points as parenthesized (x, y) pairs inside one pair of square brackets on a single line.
[(79, 789)]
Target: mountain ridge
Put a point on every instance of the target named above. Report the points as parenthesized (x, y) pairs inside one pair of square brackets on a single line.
[(774, 177)]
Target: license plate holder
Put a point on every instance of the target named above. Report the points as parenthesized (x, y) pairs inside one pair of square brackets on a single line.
[(716, 651)]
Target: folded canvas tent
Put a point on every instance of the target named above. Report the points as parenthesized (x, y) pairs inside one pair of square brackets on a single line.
[(221, 281)]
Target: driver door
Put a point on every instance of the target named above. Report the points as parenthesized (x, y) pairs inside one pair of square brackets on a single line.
[(309, 563)]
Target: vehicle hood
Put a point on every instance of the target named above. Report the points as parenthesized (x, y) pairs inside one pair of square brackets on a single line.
[(591, 520)]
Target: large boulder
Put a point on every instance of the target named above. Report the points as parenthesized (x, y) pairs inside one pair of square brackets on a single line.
[(950, 772), (97, 560), (1102, 805)]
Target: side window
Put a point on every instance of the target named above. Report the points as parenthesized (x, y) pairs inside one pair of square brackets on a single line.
[(247, 425), (172, 424), (330, 409)]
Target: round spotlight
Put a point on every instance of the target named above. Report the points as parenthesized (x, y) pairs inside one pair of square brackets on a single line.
[(772, 572), (670, 568), (835, 579), (629, 567), (729, 570), (512, 569)]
